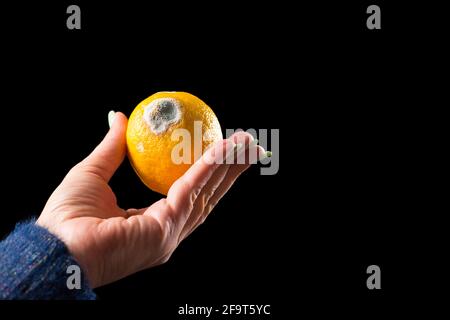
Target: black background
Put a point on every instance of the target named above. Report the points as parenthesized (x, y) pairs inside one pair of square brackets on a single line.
[(339, 93)]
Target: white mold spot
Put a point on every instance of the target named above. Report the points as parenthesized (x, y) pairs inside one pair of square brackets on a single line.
[(140, 147), (161, 113)]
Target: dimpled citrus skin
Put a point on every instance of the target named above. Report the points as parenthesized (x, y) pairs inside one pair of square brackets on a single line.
[(150, 153)]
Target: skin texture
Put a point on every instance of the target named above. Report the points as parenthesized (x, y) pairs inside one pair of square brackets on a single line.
[(109, 242)]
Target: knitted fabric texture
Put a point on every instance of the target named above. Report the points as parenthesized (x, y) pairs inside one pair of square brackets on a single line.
[(34, 266)]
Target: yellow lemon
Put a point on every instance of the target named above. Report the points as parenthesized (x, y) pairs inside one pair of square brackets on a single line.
[(163, 130)]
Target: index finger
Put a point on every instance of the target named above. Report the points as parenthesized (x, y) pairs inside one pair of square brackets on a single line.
[(183, 193)]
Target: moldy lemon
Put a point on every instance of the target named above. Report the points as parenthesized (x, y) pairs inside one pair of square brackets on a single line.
[(149, 135)]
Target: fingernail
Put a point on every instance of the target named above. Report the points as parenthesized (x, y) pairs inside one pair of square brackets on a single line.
[(265, 155), (111, 116), (253, 143)]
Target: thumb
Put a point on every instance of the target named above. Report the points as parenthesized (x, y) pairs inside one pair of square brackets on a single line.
[(109, 154)]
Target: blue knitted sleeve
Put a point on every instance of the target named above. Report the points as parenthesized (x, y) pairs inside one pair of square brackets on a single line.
[(34, 264)]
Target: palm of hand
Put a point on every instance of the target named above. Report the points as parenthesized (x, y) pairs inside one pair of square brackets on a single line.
[(93, 226)]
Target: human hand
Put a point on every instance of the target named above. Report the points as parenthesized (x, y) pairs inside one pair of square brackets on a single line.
[(110, 243)]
